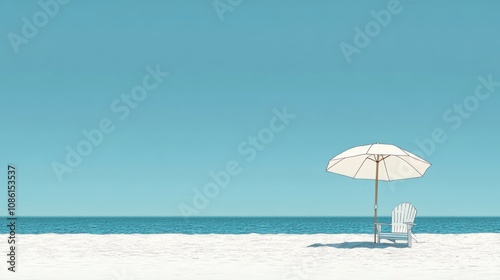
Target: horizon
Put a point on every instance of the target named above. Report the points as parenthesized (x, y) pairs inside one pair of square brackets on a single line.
[(195, 217)]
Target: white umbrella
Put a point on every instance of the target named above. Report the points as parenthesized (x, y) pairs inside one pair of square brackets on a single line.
[(379, 162)]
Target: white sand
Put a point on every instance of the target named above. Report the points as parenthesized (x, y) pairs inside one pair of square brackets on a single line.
[(252, 256)]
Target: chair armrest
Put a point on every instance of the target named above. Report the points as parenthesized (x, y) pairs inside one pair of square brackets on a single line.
[(409, 224), (379, 226)]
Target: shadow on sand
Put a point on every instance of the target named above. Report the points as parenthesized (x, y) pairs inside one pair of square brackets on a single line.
[(354, 245)]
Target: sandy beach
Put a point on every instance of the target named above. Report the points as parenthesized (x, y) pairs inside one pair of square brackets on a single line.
[(253, 256)]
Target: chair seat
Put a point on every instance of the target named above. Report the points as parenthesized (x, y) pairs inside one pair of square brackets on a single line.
[(393, 236)]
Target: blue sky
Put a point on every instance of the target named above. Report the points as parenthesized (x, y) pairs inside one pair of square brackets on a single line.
[(230, 73)]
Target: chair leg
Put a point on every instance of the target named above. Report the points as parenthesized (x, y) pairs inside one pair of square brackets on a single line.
[(413, 235)]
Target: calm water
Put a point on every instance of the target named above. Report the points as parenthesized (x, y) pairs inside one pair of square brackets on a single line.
[(227, 225)]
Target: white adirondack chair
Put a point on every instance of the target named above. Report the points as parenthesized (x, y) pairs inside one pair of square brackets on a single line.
[(403, 217)]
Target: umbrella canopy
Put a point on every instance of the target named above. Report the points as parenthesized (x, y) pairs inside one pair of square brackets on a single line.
[(378, 162)]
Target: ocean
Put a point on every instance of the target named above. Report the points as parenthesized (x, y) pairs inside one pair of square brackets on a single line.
[(242, 225)]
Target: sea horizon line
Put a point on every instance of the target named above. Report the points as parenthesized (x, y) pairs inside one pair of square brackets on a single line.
[(195, 217)]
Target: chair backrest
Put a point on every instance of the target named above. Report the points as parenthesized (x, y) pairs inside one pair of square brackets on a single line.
[(403, 213)]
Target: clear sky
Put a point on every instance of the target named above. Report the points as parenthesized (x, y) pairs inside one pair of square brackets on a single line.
[(233, 70)]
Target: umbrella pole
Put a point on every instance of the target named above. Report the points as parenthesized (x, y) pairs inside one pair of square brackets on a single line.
[(375, 206)]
